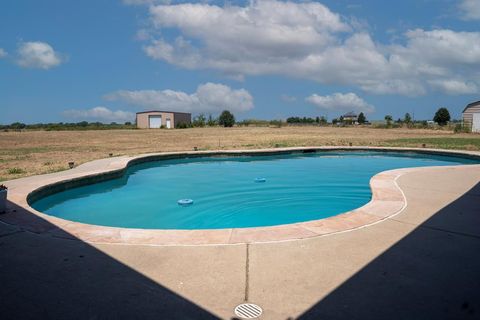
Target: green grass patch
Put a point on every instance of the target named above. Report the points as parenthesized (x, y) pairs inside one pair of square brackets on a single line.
[(15, 170), (440, 143)]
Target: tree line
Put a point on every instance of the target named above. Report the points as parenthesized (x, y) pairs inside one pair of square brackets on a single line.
[(227, 119), (61, 126)]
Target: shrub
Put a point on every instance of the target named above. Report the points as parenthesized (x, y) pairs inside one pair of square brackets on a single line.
[(460, 128), (226, 119), (182, 125), (15, 171), (276, 123)]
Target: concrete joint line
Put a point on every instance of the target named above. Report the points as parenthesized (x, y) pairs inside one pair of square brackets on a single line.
[(247, 271)]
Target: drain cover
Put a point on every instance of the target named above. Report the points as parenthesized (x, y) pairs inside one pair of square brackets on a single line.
[(248, 311)]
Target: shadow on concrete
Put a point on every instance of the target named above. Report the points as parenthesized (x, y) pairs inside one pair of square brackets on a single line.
[(432, 273), (60, 277)]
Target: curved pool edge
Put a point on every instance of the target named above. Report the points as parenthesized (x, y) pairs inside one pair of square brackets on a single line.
[(387, 201)]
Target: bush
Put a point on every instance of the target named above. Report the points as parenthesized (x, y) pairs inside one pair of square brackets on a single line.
[(460, 128), (276, 123), (226, 119), (182, 125), (15, 171)]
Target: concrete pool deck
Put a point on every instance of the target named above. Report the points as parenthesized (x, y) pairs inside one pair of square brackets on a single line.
[(421, 263)]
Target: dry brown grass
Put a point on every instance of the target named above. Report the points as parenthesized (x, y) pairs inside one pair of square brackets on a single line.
[(37, 152)]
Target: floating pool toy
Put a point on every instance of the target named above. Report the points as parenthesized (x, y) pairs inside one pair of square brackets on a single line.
[(185, 202)]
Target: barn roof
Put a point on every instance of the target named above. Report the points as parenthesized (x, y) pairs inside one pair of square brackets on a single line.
[(473, 104)]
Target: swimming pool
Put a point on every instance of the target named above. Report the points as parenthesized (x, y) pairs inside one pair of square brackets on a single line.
[(233, 191)]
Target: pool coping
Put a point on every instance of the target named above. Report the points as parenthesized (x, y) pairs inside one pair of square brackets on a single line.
[(387, 201)]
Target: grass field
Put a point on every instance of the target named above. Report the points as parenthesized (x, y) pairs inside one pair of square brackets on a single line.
[(36, 152)]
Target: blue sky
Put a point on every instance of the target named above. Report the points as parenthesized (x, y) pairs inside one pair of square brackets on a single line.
[(104, 60)]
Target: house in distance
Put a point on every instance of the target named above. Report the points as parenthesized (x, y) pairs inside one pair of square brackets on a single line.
[(162, 119), (350, 117)]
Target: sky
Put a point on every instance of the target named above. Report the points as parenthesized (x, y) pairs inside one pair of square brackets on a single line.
[(104, 60)]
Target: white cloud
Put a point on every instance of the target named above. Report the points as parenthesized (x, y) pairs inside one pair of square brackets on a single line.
[(209, 97), (454, 87), (37, 55), (340, 102), (3, 53), (307, 40), (99, 113), (470, 9)]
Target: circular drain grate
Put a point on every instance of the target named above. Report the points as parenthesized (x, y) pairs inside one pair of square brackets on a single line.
[(248, 311)]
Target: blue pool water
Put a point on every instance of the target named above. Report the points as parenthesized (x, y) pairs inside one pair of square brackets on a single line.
[(225, 194)]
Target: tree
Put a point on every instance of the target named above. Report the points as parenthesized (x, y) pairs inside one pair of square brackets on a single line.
[(211, 122), (199, 121), (388, 119), (361, 118), (301, 120), (442, 116), (18, 125), (226, 119), (408, 118)]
